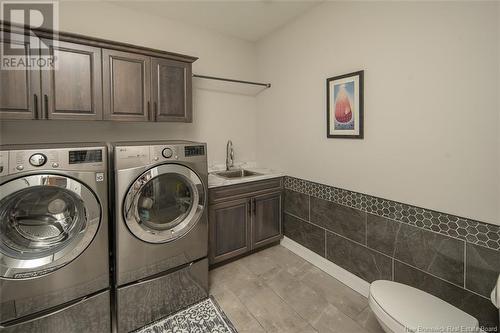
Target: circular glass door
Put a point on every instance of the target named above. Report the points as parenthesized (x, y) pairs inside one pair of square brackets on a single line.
[(164, 203), (46, 221)]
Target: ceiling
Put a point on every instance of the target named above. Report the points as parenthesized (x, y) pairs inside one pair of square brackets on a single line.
[(246, 19)]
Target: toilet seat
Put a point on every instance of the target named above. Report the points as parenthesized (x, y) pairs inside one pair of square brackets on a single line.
[(402, 309)]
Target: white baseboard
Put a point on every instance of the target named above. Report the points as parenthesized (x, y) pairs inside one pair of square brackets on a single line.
[(352, 281)]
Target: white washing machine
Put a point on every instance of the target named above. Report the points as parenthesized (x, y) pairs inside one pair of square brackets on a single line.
[(161, 229)]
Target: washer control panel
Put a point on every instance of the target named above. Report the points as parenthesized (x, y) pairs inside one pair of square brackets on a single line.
[(84, 159)]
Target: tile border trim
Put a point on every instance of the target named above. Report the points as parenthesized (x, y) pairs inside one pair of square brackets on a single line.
[(471, 231)]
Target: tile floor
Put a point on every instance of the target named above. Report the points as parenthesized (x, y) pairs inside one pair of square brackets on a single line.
[(277, 291)]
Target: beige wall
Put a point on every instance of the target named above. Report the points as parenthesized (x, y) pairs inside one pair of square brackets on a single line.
[(431, 102), (218, 116)]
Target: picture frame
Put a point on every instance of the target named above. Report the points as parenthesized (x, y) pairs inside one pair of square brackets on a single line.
[(344, 106)]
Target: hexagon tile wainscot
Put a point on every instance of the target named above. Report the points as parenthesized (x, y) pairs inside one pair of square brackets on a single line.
[(471, 231)]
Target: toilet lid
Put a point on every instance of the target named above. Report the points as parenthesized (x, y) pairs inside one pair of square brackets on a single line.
[(416, 309)]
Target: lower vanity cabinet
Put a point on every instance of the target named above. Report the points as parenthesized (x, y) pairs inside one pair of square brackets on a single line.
[(243, 218), (229, 229), (266, 219)]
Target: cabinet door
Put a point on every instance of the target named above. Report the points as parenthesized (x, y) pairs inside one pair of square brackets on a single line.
[(73, 90), (126, 85), (171, 93), (229, 230), (266, 219), (20, 88)]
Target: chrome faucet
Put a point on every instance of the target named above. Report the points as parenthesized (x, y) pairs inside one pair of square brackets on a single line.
[(229, 155)]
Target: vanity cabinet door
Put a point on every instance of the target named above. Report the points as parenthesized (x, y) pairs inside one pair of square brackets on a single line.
[(171, 90), (266, 219), (126, 86), (229, 229), (20, 88), (73, 90)]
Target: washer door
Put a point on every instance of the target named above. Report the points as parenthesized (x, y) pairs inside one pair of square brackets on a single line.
[(164, 203), (46, 221)]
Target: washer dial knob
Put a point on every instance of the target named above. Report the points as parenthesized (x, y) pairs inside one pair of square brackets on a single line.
[(167, 152), (37, 160)]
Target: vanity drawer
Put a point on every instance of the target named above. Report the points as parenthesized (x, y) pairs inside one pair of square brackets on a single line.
[(218, 194)]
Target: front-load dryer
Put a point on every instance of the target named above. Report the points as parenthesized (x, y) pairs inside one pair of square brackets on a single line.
[(161, 229), (54, 272)]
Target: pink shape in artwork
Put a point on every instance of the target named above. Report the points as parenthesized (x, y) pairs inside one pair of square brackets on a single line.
[(343, 110)]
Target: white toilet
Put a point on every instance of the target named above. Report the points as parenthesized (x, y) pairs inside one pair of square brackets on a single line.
[(403, 309)]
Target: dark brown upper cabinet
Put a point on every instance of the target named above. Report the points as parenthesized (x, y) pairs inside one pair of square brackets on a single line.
[(126, 84), (20, 89), (96, 79), (73, 90), (171, 90)]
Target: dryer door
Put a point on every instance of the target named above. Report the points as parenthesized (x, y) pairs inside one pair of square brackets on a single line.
[(46, 221), (164, 203)]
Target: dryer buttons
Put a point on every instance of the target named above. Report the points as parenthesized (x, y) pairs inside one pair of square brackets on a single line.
[(37, 160)]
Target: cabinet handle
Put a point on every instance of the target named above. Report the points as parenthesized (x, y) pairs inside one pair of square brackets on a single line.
[(149, 112), (155, 112), (254, 206), (35, 105), (250, 207), (46, 105)]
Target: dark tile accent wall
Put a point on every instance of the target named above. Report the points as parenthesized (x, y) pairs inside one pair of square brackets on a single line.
[(345, 221), (304, 233), (358, 259), (483, 267), (381, 234), (375, 238), (297, 204), (434, 253), (477, 306), (439, 255)]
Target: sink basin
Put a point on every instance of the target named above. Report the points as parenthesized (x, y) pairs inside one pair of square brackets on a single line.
[(239, 173)]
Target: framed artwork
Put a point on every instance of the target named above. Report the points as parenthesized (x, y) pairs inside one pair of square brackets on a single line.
[(344, 106)]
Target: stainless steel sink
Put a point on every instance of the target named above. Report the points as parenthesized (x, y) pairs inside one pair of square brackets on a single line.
[(238, 173)]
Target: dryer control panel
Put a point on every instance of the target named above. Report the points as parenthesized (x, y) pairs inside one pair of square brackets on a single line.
[(165, 153), (127, 157)]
